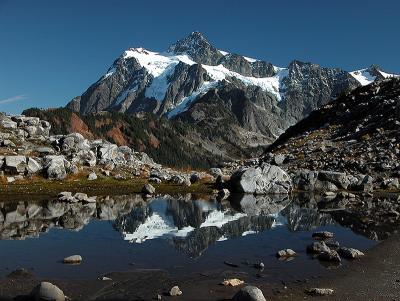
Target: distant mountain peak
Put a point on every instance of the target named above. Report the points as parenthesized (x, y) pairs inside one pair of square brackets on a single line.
[(192, 42), (196, 46)]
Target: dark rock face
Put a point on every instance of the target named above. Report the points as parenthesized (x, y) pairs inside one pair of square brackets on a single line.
[(104, 94), (241, 65), (309, 86), (356, 134), (184, 81)]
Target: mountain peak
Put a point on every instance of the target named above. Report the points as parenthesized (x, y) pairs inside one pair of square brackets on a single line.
[(198, 48), (194, 40)]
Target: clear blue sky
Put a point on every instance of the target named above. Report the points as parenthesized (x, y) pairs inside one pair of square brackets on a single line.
[(51, 51)]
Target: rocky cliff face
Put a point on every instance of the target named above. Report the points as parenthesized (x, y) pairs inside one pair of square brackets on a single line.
[(255, 100), (358, 133)]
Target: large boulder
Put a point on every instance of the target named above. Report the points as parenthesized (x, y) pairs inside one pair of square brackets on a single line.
[(47, 291), (107, 152), (249, 293), (33, 166), (84, 157), (74, 142), (55, 168), (7, 123), (181, 180), (15, 164), (263, 179)]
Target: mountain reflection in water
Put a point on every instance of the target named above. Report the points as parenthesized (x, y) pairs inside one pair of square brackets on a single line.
[(190, 224), (179, 234)]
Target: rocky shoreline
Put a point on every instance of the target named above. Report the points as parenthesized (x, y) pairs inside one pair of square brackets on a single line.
[(357, 281)]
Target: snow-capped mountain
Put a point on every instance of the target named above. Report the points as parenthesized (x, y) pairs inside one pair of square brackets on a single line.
[(195, 82)]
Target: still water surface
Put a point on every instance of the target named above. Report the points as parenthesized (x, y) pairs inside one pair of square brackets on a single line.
[(182, 235)]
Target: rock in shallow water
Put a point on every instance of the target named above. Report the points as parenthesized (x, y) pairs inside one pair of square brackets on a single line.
[(286, 253), (73, 259), (249, 293), (175, 291), (320, 291), (350, 253), (232, 282), (317, 247), (331, 255), (322, 235), (47, 291)]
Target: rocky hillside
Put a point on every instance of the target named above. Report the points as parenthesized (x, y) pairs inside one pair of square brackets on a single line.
[(358, 134), (169, 142), (243, 101), (29, 151)]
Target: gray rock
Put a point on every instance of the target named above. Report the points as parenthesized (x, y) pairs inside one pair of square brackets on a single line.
[(350, 253), (44, 150), (73, 259), (47, 291), (107, 152), (329, 194), (148, 189), (8, 143), (320, 291), (80, 196), (330, 255), (175, 291), (10, 180), (249, 293), (33, 166), (7, 123), (279, 159), (317, 247), (181, 180), (286, 253), (15, 164), (263, 179), (55, 168), (92, 176), (162, 175), (215, 172)]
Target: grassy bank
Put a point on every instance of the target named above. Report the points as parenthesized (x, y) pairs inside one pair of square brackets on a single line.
[(102, 186)]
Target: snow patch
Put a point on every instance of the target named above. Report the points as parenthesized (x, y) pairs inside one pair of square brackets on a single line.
[(363, 76), (185, 102), (224, 53), (271, 84), (388, 75), (249, 59), (220, 218), (222, 238), (160, 66), (248, 232)]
